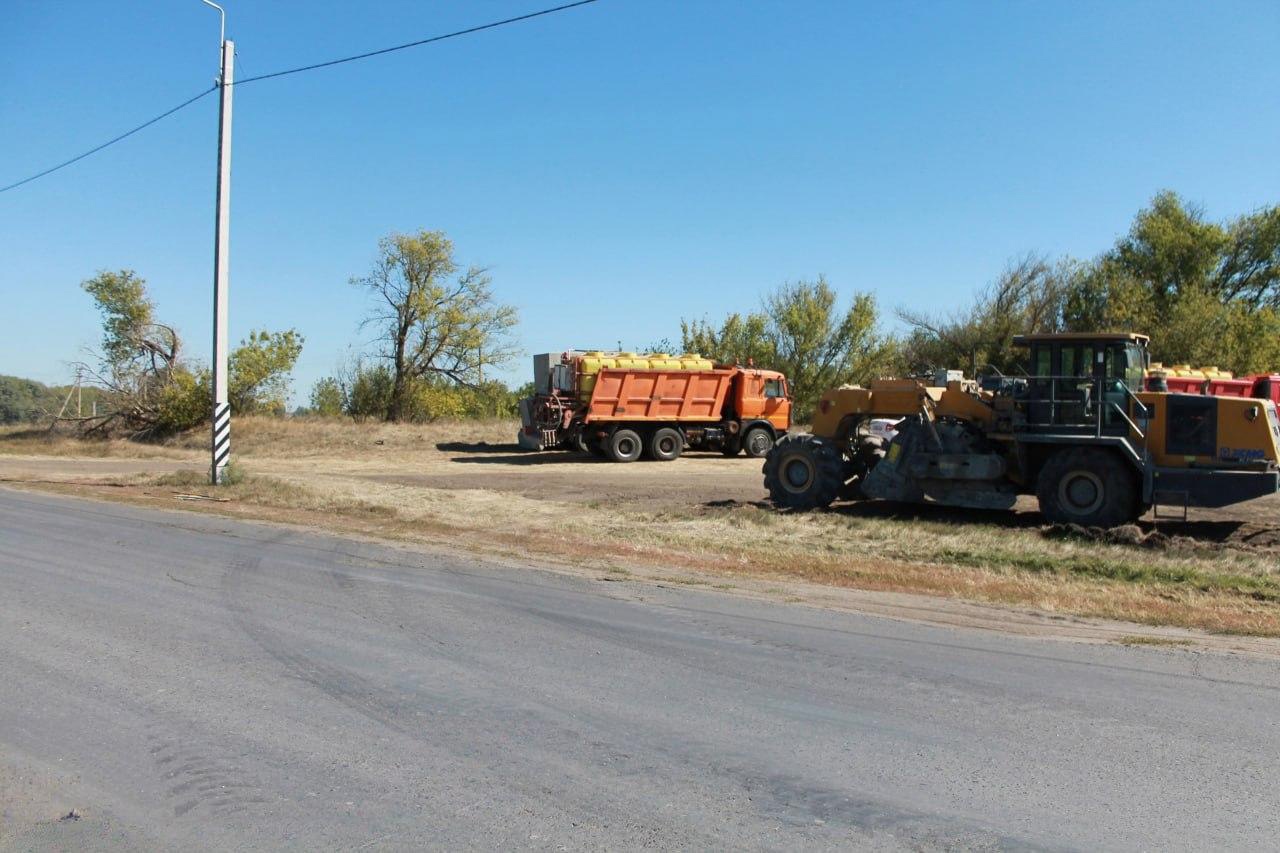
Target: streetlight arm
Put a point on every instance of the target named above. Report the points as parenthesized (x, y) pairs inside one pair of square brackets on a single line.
[(222, 34)]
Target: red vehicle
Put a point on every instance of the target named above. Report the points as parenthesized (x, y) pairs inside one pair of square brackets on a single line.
[(1259, 386), (621, 406)]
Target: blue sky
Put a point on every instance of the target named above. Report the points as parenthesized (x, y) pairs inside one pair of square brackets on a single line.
[(618, 166)]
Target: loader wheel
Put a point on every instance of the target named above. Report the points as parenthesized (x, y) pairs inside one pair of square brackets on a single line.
[(758, 442), (1086, 486), (624, 446), (666, 444), (803, 472)]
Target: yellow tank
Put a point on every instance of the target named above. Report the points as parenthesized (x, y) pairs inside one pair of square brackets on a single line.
[(589, 365), (663, 361), (693, 361), (632, 361)]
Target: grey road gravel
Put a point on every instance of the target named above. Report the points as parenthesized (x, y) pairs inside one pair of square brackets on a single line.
[(191, 682)]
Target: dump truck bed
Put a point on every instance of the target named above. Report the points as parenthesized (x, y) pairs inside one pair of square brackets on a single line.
[(659, 395)]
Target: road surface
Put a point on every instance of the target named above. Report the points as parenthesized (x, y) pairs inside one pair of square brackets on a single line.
[(190, 682)]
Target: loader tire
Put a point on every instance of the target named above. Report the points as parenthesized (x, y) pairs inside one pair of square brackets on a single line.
[(757, 441), (624, 446), (1089, 487), (803, 472), (666, 445)]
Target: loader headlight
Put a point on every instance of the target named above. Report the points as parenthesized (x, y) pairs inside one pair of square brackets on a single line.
[(1251, 413)]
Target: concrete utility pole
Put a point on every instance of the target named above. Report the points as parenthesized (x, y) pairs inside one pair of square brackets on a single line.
[(220, 440)]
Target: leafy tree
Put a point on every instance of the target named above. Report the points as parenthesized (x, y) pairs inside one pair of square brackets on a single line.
[(1206, 292), (139, 356), (818, 346), (326, 398), (801, 331), (367, 391), (738, 340), (259, 371), (432, 321), (1026, 298)]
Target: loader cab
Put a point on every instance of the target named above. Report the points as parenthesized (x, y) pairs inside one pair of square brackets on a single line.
[(1076, 378)]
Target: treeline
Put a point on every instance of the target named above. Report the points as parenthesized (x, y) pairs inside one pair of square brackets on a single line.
[(28, 401), (1208, 294)]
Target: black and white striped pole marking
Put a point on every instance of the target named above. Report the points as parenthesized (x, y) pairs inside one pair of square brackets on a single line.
[(221, 441), (221, 438)]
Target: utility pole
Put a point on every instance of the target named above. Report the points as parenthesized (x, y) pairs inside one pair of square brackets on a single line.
[(220, 439)]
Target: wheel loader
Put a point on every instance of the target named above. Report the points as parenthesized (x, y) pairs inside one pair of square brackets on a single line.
[(1078, 431)]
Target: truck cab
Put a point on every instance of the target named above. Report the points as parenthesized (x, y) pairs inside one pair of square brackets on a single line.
[(763, 395)]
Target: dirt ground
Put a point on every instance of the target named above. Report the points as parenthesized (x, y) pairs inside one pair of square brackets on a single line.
[(696, 479)]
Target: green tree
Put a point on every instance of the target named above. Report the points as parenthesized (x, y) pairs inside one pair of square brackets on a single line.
[(367, 391), (819, 346), (259, 371), (802, 331), (326, 397), (739, 339), (1027, 297), (140, 356), (1206, 292), (433, 321)]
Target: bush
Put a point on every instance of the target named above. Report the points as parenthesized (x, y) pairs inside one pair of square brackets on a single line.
[(185, 402)]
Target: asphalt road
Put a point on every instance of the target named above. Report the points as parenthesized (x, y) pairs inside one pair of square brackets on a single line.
[(188, 682)]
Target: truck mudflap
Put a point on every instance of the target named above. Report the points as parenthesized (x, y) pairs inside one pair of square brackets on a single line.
[(1210, 488)]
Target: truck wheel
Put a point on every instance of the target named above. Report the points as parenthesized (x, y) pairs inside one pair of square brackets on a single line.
[(1087, 486), (758, 441), (803, 472), (666, 444), (732, 445), (624, 446)]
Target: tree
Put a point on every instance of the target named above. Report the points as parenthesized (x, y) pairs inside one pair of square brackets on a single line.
[(259, 371), (1026, 298), (432, 321), (140, 357), (818, 346), (801, 331), (326, 398), (1207, 292)]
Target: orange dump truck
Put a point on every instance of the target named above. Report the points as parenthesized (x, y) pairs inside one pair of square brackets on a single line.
[(622, 405)]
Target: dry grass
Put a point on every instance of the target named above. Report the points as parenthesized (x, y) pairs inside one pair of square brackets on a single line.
[(321, 437), (24, 440), (296, 473)]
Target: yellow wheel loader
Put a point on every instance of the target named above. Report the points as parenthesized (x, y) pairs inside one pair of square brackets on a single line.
[(1078, 432)]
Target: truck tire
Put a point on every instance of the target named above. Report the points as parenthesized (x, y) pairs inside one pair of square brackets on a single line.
[(803, 472), (624, 446), (1088, 486), (666, 445), (757, 441), (732, 446)]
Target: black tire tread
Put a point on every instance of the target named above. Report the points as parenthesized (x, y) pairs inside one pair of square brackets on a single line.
[(829, 467), (1120, 503)]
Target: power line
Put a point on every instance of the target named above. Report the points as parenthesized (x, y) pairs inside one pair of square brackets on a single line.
[(345, 59), (418, 43), (109, 142)]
